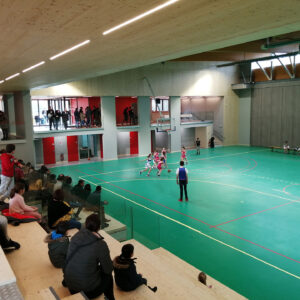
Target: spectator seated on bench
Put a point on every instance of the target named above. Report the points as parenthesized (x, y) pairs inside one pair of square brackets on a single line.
[(18, 206), (126, 276), (58, 244), (59, 211), (6, 242), (286, 147)]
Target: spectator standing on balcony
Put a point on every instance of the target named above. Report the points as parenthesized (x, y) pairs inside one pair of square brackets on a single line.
[(4, 125), (96, 115), (57, 118), (131, 115), (82, 117), (50, 116), (65, 118), (125, 115), (77, 117), (88, 115)]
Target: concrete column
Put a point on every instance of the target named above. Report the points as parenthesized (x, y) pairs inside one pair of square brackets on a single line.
[(10, 113), (244, 117), (144, 111), (108, 108), (27, 127), (175, 112)]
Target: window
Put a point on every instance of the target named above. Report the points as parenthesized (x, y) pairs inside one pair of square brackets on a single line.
[(161, 105)]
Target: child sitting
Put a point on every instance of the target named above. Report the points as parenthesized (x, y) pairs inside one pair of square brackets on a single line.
[(17, 204), (202, 278), (58, 245), (126, 276)]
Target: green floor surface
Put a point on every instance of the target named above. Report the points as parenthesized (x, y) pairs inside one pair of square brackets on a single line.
[(240, 225)]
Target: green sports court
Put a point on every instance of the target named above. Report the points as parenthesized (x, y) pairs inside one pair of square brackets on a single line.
[(240, 224)]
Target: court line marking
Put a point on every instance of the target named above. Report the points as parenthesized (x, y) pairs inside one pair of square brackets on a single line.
[(177, 163), (157, 203), (202, 233), (258, 212), (211, 226)]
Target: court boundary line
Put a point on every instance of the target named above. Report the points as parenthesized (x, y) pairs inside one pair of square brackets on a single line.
[(211, 226), (202, 233)]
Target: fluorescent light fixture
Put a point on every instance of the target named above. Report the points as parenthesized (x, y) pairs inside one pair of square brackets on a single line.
[(12, 76), (33, 67), (70, 49), (1, 81), (149, 12)]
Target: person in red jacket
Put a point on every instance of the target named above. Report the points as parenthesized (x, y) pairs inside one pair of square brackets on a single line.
[(7, 176)]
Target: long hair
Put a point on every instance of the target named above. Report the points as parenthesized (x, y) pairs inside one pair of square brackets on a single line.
[(17, 188)]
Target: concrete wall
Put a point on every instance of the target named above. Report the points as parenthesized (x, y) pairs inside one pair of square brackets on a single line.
[(244, 117), (61, 147), (169, 79), (188, 137)]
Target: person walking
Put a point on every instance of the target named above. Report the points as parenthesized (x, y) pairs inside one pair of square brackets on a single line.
[(125, 114), (182, 180), (56, 119), (198, 146), (88, 115)]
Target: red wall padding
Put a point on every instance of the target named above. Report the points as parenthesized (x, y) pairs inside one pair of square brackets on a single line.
[(121, 104), (72, 145), (49, 150), (134, 142)]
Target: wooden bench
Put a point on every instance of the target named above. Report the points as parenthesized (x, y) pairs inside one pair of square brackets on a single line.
[(280, 149), (171, 284), (192, 273), (31, 264)]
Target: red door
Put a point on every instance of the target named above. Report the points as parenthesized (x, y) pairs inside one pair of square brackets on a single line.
[(101, 145), (49, 150), (72, 144), (134, 142)]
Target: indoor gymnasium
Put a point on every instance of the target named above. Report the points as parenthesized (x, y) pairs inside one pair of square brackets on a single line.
[(149, 150)]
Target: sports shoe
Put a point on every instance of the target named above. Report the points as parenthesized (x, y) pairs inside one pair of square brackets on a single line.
[(11, 245), (140, 172), (186, 199), (106, 220), (180, 200)]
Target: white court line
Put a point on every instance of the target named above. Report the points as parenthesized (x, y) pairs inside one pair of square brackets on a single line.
[(206, 158), (202, 233), (204, 181)]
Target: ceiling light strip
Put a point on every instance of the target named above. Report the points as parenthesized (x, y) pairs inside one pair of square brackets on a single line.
[(69, 50), (151, 11), (12, 76), (33, 67), (1, 81)]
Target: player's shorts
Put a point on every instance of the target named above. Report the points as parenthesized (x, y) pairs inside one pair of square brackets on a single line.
[(159, 167), (147, 165)]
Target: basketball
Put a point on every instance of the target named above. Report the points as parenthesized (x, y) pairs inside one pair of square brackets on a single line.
[(169, 171)]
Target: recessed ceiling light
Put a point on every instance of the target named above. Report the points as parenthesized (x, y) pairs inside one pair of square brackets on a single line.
[(12, 76), (147, 13), (70, 49), (33, 67), (1, 81)]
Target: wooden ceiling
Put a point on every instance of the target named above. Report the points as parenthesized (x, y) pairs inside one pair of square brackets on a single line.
[(34, 30)]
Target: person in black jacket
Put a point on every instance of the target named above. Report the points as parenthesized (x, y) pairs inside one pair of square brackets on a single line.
[(58, 244), (77, 117), (57, 119), (59, 210), (50, 116), (126, 276), (88, 267), (65, 118)]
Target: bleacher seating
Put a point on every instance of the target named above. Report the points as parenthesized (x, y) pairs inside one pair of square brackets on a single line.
[(174, 278)]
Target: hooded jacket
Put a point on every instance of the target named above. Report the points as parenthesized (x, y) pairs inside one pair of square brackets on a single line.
[(57, 250), (8, 163), (91, 258), (126, 276)]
